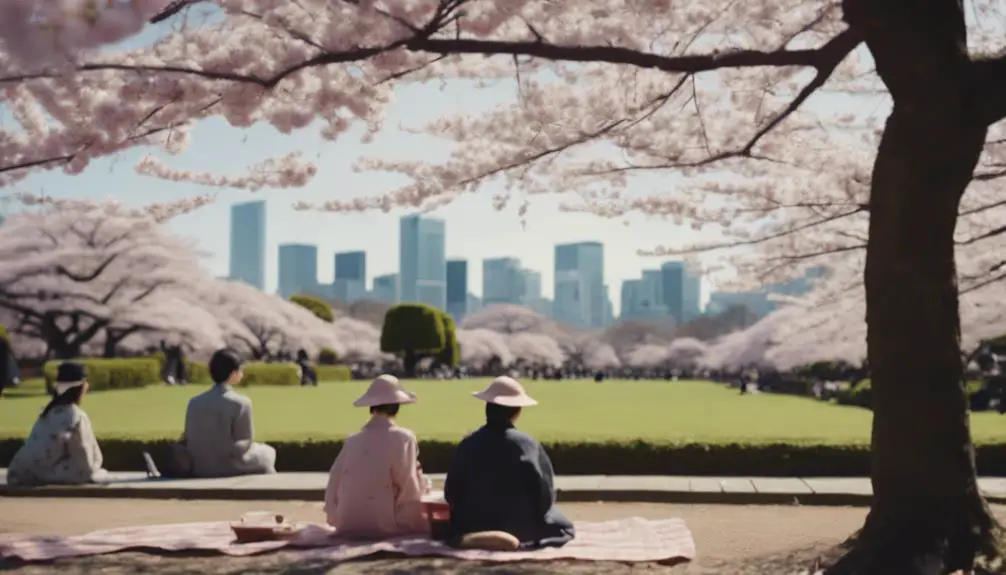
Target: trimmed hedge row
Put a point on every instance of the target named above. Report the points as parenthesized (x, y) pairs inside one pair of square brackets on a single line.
[(585, 458), (102, 374), (133, 373), (333, 373), (861, 394)]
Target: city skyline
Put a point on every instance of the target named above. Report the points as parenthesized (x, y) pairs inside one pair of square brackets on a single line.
[(426, 274), (582, 296)]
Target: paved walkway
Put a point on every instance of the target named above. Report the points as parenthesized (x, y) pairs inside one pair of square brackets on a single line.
[(578, 488)]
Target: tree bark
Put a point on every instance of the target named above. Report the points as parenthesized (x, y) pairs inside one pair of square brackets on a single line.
[(409, 361), (928, 516)]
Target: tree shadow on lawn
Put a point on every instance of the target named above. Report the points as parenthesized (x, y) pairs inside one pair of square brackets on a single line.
[(289, 563)]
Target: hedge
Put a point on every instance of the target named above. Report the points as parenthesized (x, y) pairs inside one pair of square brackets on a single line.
[(119, 373), (131, 373), (333, 373), (861, 393), (587, 458)]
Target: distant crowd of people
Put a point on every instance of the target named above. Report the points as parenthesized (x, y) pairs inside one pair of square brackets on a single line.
[(499, 488)]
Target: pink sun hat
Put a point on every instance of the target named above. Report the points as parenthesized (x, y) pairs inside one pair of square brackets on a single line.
[(385, 390), (505, 391)]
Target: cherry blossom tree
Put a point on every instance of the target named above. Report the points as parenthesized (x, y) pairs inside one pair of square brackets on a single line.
[(686, 352), (481, 346), (74, 275), (535, 348), (263, 324), (511, 318), (358, 341), (598, 355), (689, 88), (646, 355), (625, 336)]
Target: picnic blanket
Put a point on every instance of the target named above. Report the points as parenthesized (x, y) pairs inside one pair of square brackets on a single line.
[(632, 540)]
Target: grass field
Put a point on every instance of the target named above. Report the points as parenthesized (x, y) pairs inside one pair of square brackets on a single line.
[(619, 410)]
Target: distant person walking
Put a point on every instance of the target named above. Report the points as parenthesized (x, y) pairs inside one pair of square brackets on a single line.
[(9, 373)]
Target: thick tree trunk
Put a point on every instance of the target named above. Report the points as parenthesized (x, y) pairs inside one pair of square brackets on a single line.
[(409, 361), (928, 516)]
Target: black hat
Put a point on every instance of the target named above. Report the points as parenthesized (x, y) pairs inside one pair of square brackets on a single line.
[(71, 372)]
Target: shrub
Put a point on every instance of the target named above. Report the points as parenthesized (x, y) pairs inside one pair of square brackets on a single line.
[(117, 373), (315, 305), (586, 458), (861, 395), (3, 333), (334, 373), (328, 356)]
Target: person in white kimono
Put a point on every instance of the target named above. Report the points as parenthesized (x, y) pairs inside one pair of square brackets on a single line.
[(376, 484), (61, 449), (219, 436)]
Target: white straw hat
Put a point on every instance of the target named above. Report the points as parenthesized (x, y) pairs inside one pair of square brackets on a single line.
[(505, 391), (385, 390)]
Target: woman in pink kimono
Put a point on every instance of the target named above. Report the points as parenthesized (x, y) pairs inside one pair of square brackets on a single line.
[(376, 484)]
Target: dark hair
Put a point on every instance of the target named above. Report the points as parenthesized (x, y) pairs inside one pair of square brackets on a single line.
[(387, 409), (223, 364), (500, 414), (70, 396)]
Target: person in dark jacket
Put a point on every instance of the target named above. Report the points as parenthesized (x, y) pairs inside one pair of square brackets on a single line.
[(501, 486), (8, 367)]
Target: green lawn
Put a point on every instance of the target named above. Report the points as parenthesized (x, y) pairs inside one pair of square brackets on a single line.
[(656, 411)]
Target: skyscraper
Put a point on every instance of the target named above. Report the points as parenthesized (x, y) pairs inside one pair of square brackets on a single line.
[(386, 288), (298, 269), (350, 276), (579, 284), (682, 290), (457, 289), (502, 281), (630, 301), (248, 229), (422, 262)]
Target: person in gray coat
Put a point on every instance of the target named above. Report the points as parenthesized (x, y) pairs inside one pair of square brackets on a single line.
[(219, 436)]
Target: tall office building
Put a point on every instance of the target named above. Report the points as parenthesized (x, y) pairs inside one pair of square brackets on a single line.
[(629, 302), (248, 229), (350, 276), (579, 284), (422, 262), (502, 281), (298, 269), (457, 289), (532, 285), (386, 288), (682, 291)]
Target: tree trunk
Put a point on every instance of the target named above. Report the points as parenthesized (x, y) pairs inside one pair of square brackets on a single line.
[(408, 361), (928, 516)]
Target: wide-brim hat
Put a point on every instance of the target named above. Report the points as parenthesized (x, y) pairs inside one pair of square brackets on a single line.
[(505, 391), (385, 390)]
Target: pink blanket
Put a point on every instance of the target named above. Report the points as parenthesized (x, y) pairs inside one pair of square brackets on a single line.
[(632, 540)]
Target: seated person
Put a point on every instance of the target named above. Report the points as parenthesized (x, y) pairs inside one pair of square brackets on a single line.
[(219, 437), (500, 485), (61, 448), (376, 485)]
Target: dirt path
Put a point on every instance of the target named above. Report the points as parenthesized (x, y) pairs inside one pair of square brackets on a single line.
[(734, 540)]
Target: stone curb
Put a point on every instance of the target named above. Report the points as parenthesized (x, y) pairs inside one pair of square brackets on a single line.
[(566, 496)]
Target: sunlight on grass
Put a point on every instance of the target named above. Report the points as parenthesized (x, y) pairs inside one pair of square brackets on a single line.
[(619, 410)]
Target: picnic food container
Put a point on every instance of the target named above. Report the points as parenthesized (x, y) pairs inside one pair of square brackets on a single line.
[(263, 526)]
